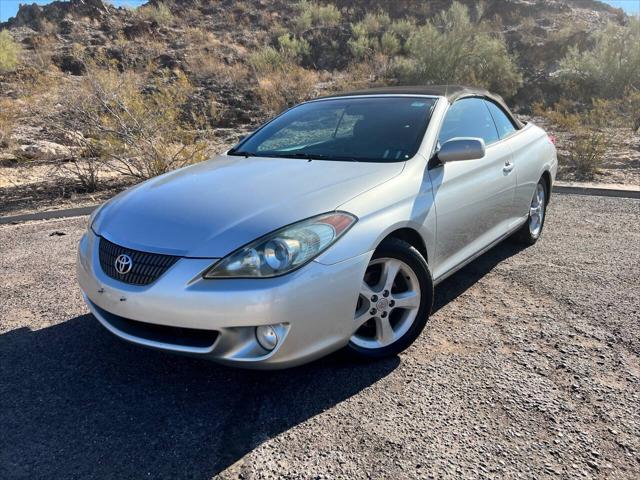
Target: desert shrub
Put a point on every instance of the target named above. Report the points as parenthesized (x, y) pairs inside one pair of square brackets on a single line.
[(374, 23), (587, 151), (321, 28), (160, 13), (591, 130), (281, 81), (8, 111), (609, 68), (562, 114), (314, 15), (267, 59), (134, 126), (453, 48), (378, 42), (373, 34), (43, 48), (403, 28), (9, 52), (279, 90), (293, 48), (204, 64)]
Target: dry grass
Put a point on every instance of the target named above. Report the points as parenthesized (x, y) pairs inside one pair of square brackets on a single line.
[(160, 13), (8, 116), (207, 63), (280, 90), (281, 81)]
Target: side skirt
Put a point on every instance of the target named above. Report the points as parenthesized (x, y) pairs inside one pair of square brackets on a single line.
[(450, 272)]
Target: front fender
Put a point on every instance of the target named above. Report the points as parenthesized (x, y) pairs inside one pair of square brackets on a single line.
[(403, 202)]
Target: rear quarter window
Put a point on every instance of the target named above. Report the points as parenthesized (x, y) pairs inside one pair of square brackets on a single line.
[(504, 125)]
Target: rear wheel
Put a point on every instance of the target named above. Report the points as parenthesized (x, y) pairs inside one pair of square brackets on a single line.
[(531, 230), (394, 303)]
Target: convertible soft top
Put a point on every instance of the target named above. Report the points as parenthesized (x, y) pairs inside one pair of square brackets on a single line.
[(450, 92)]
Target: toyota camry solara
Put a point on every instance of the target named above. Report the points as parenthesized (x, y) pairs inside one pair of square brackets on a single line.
[(325, 229)]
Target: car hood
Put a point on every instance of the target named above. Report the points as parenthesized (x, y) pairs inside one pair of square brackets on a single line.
[(210, 209)]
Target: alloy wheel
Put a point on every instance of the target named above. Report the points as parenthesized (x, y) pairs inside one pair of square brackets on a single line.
[(388, 303), (536, 210)]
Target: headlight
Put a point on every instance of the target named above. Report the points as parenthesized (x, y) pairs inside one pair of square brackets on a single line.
[(284, 250)]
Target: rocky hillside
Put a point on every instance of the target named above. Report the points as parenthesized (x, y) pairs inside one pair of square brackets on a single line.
[(199, 73), (538, 32)]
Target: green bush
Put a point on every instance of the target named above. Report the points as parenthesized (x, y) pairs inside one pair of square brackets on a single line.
[(9, 52), (293, 47), (609, 68), (315, 15), (454, 49), (375, 33)]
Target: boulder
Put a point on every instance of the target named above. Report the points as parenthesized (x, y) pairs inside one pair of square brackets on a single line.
[(45, 150)]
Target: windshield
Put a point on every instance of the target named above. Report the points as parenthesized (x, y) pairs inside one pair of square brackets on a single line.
[(367, 129)]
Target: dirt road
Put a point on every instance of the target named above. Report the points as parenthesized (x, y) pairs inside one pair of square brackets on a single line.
[(529, 367)]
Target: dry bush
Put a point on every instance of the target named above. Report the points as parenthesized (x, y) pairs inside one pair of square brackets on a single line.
[(592, 130), (358, 76), (43, 49), (8, 116), (562, 114), (132, 126), (10, 52), (204, 64), (160, 13), (587, 152), (280, 89), (281, 81)]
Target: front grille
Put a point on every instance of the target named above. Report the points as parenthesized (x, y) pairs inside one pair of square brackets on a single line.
[(146, 267)]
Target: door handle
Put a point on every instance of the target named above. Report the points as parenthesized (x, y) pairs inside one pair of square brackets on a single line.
[(508, 166)]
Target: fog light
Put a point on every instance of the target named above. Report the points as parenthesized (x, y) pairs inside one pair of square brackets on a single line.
[(267, 337)]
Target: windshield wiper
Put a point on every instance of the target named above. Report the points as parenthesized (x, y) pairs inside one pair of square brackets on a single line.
[(241, 154), (306, 156), (316, 156)]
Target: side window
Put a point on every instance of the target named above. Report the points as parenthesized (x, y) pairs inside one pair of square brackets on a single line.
[(468, 117), (503, 123)]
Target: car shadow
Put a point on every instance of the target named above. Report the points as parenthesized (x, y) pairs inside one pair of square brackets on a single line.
[(76, 402), (458, 283)]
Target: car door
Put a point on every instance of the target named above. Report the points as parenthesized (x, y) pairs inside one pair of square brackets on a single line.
[(474, 198)]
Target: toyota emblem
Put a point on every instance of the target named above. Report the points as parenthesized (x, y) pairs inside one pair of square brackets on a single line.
[(123, 264)]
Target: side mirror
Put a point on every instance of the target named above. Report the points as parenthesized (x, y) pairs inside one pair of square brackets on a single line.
[(458, 149)]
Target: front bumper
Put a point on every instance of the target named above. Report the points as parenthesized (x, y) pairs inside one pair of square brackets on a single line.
[(312, 309)]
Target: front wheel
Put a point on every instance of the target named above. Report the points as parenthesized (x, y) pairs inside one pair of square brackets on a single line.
[(531, 230), (394, 303)]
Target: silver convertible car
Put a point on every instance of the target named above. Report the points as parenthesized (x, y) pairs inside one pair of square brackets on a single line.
[(325, 229)]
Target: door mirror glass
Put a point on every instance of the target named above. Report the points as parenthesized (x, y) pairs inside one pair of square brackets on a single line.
[(458, 149)]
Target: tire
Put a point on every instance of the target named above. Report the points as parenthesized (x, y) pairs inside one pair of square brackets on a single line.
[(404, 308), (531, 230)]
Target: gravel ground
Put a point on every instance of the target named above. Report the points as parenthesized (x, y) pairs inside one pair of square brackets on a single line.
[(529, 368)]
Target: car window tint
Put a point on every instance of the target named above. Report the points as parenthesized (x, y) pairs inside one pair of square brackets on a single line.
[(503, 123), (468, 117), (377, 129)]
